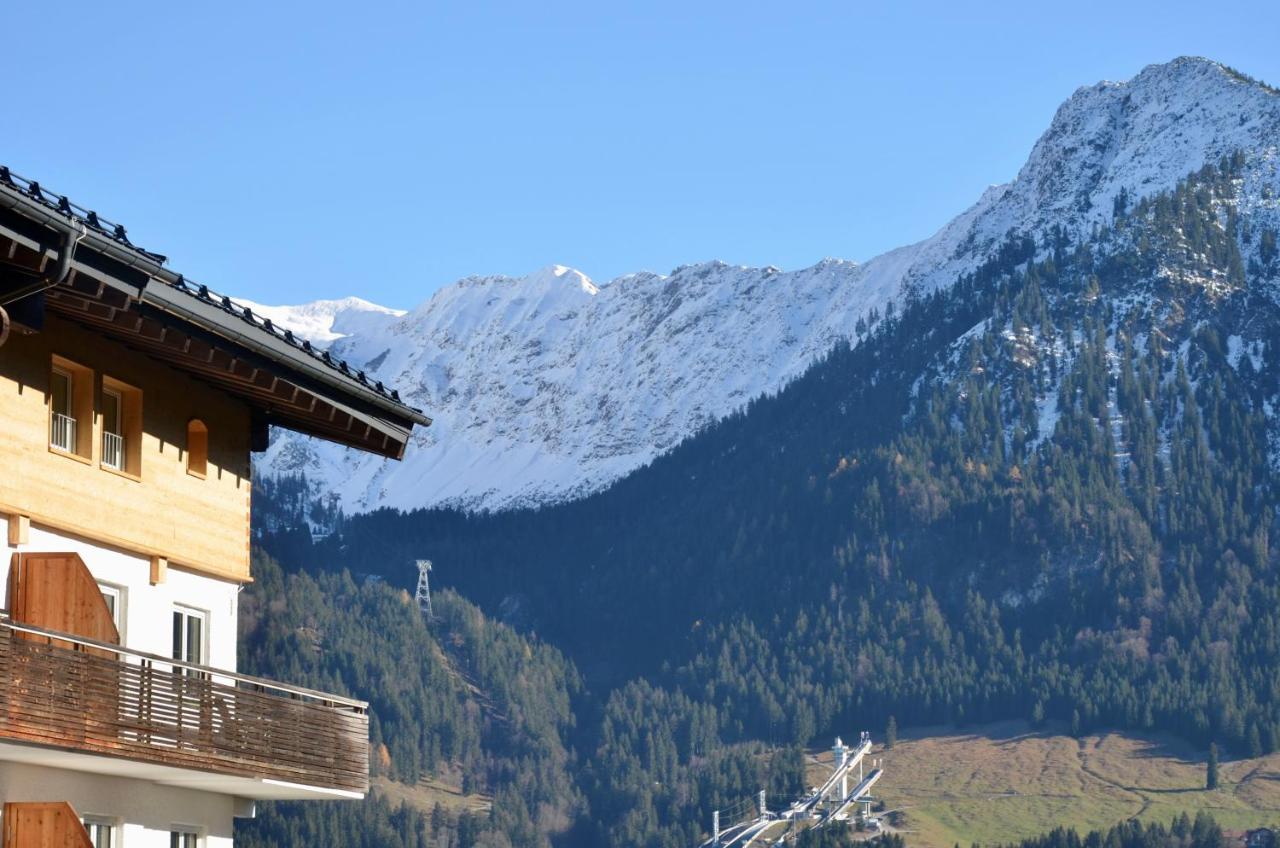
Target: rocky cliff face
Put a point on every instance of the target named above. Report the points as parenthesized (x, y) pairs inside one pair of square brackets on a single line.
[(550, 386)]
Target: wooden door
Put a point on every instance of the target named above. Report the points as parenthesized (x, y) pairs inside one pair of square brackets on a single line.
[(43, 824), (55, 591)]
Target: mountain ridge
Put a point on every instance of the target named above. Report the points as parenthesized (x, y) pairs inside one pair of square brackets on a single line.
[(544, 392)]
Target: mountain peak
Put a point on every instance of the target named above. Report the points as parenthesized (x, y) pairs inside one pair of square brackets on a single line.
[(564, 275), (1139, 136), (547, 387), (1184, 68), (325, 321)]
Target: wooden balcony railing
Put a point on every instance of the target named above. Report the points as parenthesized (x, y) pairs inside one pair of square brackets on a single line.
[(81, 695)]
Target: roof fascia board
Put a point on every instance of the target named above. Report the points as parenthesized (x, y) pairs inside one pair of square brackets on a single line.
[(215, 319)]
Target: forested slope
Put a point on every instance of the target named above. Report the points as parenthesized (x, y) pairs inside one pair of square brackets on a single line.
[(1047, 491), (463, 697)]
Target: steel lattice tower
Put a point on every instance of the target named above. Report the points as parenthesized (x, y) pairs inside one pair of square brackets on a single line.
[(423, 594)]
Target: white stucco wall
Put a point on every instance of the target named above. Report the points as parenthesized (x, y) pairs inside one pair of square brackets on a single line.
[(147, 619), (143, 812)]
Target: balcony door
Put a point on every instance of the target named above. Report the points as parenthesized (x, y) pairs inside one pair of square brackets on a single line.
[(190, 632), (194, 697)]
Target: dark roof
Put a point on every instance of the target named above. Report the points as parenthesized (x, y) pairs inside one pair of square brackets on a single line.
[(126, 276)]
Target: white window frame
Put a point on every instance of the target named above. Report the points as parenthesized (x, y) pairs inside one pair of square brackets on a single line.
[(112, 825), (186, 830), (113, 426), (71, 392), (121, 599), (203, 616), (68, 413)]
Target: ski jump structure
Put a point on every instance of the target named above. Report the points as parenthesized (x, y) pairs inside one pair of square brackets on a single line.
[(829, 802)]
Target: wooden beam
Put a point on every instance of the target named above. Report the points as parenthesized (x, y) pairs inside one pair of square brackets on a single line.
[(62, 524), (19, 530), (159, 570)]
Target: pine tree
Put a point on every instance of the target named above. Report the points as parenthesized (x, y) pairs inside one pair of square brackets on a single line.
[(891, 733), (1211, 771), (1267, 246)]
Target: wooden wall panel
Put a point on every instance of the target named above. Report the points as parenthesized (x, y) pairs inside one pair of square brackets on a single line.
[(194, 523), (43, 824), (55, 591)]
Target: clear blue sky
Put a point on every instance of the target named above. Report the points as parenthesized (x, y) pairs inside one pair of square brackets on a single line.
[(291, 151)]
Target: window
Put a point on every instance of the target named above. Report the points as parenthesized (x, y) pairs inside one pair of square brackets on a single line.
[(112, 435), (102, 832), (121, 409), (63, 433), (114, 598), (189, 634), (197, 448), (182, 837), (70, 408)]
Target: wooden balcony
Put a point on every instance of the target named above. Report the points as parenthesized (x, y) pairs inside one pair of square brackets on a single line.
[(86, 697)]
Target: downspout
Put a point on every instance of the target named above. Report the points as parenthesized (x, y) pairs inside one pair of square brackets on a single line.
[(45, 281), (60, 272)]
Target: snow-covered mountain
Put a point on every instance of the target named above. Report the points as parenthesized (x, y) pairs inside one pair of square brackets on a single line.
[(550, 386), (326, 321)]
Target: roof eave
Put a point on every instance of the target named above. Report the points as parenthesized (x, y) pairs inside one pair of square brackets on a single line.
[(173, 298), (133, 274)]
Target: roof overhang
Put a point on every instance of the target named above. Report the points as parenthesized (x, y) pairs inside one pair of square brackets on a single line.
[(126, 294)]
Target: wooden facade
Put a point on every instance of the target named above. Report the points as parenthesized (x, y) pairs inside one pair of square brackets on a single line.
[(91, 697), (199, 522)]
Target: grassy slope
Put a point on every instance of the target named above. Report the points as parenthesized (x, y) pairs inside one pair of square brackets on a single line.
[(429, 792), (1003, 782)]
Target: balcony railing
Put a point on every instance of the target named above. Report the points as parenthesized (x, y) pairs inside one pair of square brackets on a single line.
[(62, 432), (113, 450), (87, 696)]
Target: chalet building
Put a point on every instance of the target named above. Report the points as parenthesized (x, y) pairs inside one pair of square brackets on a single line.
[(131, 400)]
